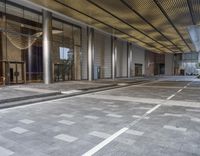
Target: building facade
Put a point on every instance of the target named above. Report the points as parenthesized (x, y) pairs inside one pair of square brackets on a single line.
[(37, 45)]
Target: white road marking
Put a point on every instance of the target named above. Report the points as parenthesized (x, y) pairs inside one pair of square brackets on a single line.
[(105, 142), (179, 90), (170, 96), (118, 133), (153, 109)]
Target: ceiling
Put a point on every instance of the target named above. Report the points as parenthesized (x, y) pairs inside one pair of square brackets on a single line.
[(157, 25)]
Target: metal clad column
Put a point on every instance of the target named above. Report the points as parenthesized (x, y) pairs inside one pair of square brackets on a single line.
[(90, 53), (130, 59), (47, 46), (114, 56)]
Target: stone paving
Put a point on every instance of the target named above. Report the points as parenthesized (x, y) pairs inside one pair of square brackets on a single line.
[(75, 126)]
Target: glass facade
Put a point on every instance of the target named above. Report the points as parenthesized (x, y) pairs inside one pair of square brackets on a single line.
[(21, 50)]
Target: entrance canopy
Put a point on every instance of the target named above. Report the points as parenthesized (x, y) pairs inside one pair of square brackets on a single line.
[(158, 25)]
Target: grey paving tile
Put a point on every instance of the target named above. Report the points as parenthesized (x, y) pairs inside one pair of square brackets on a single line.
[(99, 134), (19, 130), (66, 138), (181, 129), (67, 115), (138, 117), (114, 115), (5, 152), (173, 115), (134, 132), (66, 122), (26, 121), (91, 117)]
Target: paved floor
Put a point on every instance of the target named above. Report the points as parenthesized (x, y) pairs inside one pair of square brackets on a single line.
[(160, 118), (26, 90)]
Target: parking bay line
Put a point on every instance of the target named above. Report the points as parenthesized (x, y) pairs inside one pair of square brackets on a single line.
[(117, 134)]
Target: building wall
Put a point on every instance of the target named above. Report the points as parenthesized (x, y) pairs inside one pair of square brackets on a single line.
[(169, 67), (138, 58)]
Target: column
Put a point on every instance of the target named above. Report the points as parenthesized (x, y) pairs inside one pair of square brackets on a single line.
[(90, 35), (114, 56), (130, 59), (47, 46), (29, 59)]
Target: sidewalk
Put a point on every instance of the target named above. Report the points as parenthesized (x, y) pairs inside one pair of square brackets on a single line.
[(37, 90)]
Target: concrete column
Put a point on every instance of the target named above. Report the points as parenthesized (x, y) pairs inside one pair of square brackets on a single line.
[(90, 35), (47, 46), (130, 59), (114, 56)]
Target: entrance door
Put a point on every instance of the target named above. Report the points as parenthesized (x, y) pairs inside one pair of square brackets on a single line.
[(16, 73), (138, 69), (58, 72)]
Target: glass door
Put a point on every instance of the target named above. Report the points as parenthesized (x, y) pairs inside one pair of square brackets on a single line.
[(16, 72), (58, 72)]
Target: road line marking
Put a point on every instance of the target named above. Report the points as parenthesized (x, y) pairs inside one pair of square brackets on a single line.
[(153, 109), (105, 142), (179, 90), (170, 96)]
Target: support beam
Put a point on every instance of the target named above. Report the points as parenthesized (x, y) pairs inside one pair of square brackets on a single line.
[(114, 56), (47, 46), (130, 59), (90, 35)]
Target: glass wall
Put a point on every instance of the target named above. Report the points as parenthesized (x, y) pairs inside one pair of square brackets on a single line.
[(21, 46), (66, 51)]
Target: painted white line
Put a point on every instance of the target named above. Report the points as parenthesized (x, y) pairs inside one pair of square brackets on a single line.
[(185, 87), (153, 109), (179, 90), (105, 142), (170, 97)]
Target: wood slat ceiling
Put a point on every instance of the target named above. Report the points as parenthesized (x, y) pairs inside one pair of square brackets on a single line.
[(157, 25)]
